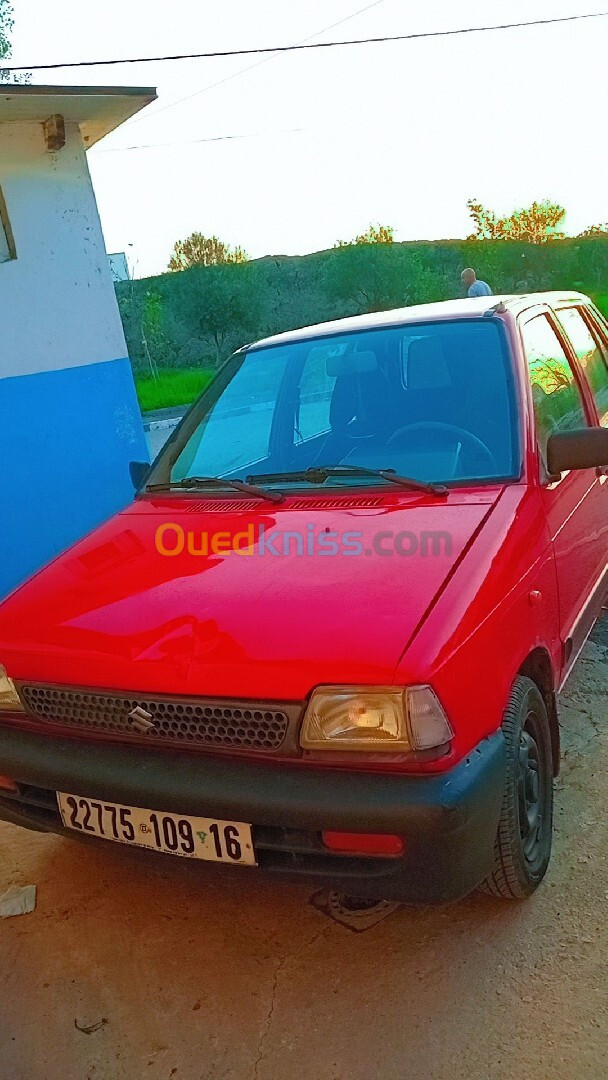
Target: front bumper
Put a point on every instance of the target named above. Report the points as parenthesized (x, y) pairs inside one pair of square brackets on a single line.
[(448, 820)]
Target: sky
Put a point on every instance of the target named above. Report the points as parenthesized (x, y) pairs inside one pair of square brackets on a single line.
[(322, 143)]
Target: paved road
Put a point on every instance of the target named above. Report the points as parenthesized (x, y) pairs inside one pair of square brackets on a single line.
[(201, 978), (225, 445), (157, 432), (245, 433)]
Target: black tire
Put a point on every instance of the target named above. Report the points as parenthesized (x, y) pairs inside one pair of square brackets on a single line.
[(523, 842)]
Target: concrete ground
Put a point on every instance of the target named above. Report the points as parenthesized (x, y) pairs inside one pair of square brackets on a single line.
[(133, 969)]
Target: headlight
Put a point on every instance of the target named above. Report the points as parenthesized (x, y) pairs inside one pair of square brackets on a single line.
[(9, 698), (383, 719)]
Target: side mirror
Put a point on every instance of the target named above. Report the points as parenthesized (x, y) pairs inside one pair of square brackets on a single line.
[(138, 471), (583, 448)]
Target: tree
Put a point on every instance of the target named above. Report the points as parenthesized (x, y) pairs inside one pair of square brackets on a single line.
[(143, 310), (378, 277), (535, 224), (220, 305), (6, 25), (375, 234), (366, 278), (595, 230), (199, 250)]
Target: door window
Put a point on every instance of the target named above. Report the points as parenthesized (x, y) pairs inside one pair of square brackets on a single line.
[(316, 389), (590, 357), (558, 404)]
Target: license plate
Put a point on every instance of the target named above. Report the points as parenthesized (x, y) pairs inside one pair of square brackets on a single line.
[(174, 834)]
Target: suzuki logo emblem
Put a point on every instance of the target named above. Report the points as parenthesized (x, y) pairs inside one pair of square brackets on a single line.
[(141, 720)]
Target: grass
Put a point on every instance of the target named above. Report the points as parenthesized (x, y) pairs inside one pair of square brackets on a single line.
[(171, 387), (602, 303)]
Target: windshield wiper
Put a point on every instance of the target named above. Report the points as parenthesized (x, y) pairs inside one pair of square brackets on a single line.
[(317, 474), (191, 483)]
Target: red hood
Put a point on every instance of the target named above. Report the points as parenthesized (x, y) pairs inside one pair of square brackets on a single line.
[(113, 612)]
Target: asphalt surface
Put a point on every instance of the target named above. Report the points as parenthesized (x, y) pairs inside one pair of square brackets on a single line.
[(158, 426), (132, 967), (245, 432)]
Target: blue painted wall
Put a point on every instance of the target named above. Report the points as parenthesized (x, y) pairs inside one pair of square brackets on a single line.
[(66, 440)]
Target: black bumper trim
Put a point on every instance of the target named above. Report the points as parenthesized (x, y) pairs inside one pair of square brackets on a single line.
[(448, 820)]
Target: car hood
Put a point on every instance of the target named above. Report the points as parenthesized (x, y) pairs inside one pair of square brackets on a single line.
[(114, 612)]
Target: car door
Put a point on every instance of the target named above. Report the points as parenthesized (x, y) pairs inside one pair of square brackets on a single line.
[(576, 505)]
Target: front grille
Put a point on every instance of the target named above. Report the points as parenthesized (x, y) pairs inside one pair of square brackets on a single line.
[(231, 725)]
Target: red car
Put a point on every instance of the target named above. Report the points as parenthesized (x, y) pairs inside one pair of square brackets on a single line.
[(327, 637)]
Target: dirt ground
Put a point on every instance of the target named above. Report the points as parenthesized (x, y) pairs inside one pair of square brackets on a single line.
[(185, 975)]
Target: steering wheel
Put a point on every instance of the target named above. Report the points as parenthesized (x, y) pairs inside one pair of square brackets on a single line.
[(432, 427)]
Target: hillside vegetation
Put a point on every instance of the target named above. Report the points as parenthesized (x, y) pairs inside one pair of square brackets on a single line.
[(194, 319)]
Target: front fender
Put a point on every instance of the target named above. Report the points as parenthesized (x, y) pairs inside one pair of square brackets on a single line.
[(499, 605)]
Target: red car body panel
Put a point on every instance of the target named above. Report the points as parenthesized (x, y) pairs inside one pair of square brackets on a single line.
[(122, 615), (112, 612), (501, 605), (516, 589)]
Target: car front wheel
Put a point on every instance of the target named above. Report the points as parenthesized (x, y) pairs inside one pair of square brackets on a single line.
[(523, 842)]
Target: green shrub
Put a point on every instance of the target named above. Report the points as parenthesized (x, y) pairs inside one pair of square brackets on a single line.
[(196, 318)]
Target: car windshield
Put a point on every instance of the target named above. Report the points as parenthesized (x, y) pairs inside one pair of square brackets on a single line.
[(431, 401)]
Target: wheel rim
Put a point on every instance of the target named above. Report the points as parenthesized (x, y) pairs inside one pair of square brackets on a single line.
[(531, 785)]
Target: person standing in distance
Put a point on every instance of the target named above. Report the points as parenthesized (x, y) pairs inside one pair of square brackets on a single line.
[(472, 285)]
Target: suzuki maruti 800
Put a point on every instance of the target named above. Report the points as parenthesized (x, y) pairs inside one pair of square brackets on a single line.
[(326, 638)]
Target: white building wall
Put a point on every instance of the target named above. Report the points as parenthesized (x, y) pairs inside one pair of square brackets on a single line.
[(57, 305), (69, 419)]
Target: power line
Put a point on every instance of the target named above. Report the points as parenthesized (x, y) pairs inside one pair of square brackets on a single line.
[(208, 139), (235, 75), (314, 45)]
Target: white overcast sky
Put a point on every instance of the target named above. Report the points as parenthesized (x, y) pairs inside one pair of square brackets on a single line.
[(399, 133)]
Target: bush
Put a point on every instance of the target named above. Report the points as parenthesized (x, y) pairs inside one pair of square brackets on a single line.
[(196, 318)]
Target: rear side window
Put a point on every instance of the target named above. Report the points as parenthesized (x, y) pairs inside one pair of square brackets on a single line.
[(558, 404), (590, 357)]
